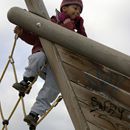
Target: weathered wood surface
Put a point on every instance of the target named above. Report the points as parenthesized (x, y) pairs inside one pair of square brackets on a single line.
[(109, 114), (104, 102), (86, 65), (104, 111), (83, 72), (37, 7), (109, 90), (95, 107)]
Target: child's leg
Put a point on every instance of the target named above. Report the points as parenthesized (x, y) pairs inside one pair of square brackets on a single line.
[(36, 62), (47, 94)]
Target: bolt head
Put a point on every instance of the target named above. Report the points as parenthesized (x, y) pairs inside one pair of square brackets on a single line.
[(38, 24)]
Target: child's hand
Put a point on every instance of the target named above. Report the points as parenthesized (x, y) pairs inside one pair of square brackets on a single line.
[(18, 30), (62, 16), (67, 21)]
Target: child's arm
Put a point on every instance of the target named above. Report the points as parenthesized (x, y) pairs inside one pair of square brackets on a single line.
[(26, 36), (63, 21), (79, 26), (66, 22), (18, 30), (30, 38)]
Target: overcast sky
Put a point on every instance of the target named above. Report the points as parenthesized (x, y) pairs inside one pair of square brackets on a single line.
[(106, 21)]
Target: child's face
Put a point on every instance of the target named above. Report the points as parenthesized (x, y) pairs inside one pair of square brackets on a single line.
[(72, 11)]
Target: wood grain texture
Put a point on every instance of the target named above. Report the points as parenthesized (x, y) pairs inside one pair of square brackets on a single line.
[(101, 86), (86, 65), (100, 111), (37, 7)]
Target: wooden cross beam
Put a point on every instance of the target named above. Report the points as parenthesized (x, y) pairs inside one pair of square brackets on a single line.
[(71, 40)]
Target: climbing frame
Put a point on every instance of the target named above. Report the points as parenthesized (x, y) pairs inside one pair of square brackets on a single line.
[(96, 96)]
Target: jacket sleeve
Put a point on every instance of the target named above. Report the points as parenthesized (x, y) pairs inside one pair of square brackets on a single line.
[(79, 26), (29, 37), (82, 31), (54, 19), (68, 25)]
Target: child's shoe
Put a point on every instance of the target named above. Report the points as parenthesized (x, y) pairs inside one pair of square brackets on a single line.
[(31, 127), (24, 84), (31, 119)]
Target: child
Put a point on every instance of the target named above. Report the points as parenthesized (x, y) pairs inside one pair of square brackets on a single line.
[(36, 61), (69, 17)]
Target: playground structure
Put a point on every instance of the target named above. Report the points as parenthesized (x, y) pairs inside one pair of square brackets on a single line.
[(96, 98)]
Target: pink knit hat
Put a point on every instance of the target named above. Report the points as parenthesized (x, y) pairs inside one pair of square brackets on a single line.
[(69, 2)]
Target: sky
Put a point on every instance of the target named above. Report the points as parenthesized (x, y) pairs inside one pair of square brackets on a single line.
[(105, 21)]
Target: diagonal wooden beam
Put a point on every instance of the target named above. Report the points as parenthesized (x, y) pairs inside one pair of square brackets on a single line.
[(37, 7), (87, 47)]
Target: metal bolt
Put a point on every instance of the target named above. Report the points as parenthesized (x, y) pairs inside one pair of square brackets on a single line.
[(38, 24)]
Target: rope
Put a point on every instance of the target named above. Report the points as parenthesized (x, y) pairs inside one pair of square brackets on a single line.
[(52, 106), (21, 95), (11, 61), (1, 112)]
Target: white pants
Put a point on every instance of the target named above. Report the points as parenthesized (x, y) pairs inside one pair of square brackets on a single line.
[(49, 91), (36, 63), (47, 94)]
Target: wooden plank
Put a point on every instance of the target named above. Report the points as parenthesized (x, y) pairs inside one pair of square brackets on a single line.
[(95, 100), (93, 127), (86, 65), (88, 82), (94, 107), (102, 121), (37, 7)]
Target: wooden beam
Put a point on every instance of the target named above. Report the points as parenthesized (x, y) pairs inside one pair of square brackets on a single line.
[(71, 40), (37, 7)]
